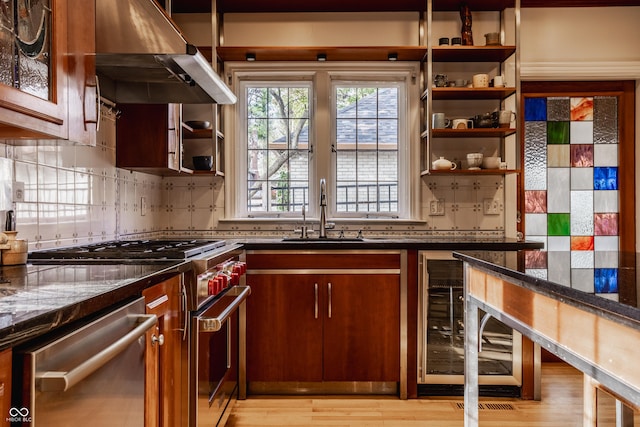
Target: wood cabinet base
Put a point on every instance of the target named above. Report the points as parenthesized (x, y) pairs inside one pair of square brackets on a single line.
[(323, 387)]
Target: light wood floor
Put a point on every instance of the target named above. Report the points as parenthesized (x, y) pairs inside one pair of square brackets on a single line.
[(561, 405)]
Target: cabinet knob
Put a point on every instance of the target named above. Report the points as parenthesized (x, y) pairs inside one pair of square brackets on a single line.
[(157, 339)]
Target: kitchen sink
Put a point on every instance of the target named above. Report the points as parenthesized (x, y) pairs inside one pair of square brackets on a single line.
[(323, 239)]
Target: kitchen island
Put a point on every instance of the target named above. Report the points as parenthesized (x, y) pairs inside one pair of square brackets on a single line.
[(596, 335)]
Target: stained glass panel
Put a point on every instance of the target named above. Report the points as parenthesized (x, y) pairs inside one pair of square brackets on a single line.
[(572, 189)]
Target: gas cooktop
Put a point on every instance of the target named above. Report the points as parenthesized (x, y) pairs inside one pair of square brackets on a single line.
[(130, 249)]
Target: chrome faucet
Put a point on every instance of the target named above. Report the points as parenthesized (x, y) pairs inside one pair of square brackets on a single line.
[(322, 233)]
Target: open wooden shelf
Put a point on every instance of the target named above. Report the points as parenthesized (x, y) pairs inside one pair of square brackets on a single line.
[(472, 133), (464, 93), (471, 172), (471, 53), (333, 53)]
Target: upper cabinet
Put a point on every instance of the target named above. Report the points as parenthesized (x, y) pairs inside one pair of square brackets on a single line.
[(470, 99), (47, 71)]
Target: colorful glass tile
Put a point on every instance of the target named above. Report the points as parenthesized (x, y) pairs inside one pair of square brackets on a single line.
[(535, 259), (605, 224), (581, 132), (581, 259), (535, 157), (581, 243), (535, 201), (558, 194), (535, 109), (605, 155), (558, 224), (558, 109), (535, 224), (582, 178), (606, 280), (582, 156), (582, 109), (558, 156), (581, 213), (558, 132), (605, 120), (605, 201), (605, 178)]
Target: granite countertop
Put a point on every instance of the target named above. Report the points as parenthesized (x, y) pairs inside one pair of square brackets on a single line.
[(35, 299), (427, 243), (502, 265)]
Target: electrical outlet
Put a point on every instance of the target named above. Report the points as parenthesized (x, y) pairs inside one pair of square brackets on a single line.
[(436, 207), (491, 207), (143, 206), (18, 191)]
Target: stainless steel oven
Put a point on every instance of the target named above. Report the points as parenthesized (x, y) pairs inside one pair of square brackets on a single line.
[(217, 349), (441, 335), (214, 291), (91, 376), (214, 358)]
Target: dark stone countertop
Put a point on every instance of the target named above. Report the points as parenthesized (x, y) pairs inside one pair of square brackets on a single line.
[(506, 267), (431, 243), (36, 299)]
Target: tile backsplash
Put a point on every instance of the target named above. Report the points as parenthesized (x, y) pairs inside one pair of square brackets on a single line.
[(75, 195)]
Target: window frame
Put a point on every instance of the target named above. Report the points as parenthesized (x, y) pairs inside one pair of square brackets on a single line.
[(322, 162)]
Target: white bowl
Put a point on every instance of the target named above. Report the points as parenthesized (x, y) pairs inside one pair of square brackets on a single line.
[(491, 162), (474, 160)]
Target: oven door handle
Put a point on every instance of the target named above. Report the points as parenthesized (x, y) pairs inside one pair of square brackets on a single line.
[(214, 324), (63, 381)]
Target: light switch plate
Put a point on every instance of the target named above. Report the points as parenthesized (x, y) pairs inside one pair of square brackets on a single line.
[(436, 207), (143, 206), (491, 207), (18, 191)]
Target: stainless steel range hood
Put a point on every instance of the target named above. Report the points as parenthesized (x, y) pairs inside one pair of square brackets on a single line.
[(142, 57)]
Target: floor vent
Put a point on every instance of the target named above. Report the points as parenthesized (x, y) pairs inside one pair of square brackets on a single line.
[(490, 406)]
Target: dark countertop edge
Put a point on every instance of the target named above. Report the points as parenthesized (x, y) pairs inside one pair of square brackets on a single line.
[(610, 309), (413, 244), (44, 323)]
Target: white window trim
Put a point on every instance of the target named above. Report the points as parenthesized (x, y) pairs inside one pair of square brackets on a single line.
[(322, 159)]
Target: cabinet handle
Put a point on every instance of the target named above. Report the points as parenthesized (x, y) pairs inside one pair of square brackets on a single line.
[(329, 300), (159, 339), (185, 328), (315, 290), (98, 109)]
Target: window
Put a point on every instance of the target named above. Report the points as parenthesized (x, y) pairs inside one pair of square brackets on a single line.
[(350, 127), (277, 155), (366, 148)]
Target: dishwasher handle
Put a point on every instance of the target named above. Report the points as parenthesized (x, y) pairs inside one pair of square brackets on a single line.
[(214, 324), (63, 381)]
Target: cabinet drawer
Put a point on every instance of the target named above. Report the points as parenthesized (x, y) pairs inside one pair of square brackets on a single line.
[(292, 260)]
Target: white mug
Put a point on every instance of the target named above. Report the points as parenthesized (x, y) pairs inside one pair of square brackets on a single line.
[(439, 121), (498, 81), (480, 80), (462, 124), (505, 117)]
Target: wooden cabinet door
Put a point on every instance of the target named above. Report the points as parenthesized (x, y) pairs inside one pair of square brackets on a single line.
[(284, 333), (82, 82), (5, 386), (147, 137), (25, 115), (163, 379), (362, 328)]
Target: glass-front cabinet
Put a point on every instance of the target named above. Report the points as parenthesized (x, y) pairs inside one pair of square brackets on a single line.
[(441, 335), (47, 70)]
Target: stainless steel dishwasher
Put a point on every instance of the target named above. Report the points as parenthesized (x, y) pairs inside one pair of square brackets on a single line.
[(92, 376)]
